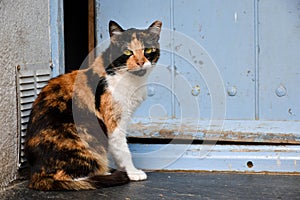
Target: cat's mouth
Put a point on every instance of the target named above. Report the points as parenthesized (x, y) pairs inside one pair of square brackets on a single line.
[(140, 72)]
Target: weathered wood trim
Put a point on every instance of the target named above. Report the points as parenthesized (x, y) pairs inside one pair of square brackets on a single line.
[(91, 30), (287, 132)]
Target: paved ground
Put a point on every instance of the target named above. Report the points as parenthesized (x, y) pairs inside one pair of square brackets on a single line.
[(178, 185)]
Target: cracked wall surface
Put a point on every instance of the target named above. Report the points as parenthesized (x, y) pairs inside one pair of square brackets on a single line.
[(24, 39)]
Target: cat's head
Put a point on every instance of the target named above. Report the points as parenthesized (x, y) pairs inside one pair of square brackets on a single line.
[(134, 50)]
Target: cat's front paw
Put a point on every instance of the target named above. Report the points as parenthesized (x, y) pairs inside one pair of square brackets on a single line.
[(137, 175)]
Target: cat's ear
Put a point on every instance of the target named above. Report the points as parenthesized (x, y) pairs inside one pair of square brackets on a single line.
[(155, 27), (114, 29)]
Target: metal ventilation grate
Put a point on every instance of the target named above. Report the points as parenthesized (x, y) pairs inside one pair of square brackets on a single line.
[(30, 80)]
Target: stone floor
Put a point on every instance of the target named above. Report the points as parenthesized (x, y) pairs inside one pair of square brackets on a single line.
[(179, 185)]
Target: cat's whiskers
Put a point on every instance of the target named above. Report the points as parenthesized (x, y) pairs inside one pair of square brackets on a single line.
[(122, 69)]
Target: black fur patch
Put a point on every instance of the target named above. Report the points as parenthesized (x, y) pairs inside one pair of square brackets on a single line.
[(113, 59), (100, 89), (98, 86)]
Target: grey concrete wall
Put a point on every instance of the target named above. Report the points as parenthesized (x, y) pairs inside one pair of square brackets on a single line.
[(24, 38)]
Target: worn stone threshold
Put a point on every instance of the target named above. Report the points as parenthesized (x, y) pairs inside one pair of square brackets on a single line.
[(178, 185)]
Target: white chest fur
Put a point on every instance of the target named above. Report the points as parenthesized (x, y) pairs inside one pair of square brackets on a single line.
[(129, 90)]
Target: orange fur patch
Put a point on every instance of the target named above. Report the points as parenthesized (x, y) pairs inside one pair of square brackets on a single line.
[(110, 112), (135, 44), (50, 93), (61, 175), (34, 141), (137, 60), (86, 98), (98, 66)]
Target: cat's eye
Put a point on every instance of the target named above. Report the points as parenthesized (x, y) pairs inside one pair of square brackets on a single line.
[(149, 50), (127, 52)]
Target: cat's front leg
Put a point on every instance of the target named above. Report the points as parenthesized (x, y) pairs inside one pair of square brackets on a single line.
[(118, 147)]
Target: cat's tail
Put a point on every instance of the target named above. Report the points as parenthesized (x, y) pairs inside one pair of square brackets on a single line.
[(100, 181), (115, 179)]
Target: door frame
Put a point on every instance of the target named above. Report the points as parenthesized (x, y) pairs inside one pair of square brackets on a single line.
[(57, 37)]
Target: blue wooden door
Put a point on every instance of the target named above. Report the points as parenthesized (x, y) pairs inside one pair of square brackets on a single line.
[(229, 71), (279, 60)]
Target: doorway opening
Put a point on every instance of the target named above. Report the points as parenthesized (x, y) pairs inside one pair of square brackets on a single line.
[(79, 34)]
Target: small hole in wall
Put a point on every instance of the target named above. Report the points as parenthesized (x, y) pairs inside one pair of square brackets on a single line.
[(250, 164)]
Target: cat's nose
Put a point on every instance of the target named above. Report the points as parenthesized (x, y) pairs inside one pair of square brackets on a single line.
[(141, 63)]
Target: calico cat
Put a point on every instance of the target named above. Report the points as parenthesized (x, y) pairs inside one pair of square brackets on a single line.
[(80, 116)]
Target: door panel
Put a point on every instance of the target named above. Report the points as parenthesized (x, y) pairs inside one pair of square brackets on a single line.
[(255, 47), (225, 30), (279, 60)]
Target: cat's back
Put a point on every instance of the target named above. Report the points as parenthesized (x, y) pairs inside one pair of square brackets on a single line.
[(58, 88), (53, 104)]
